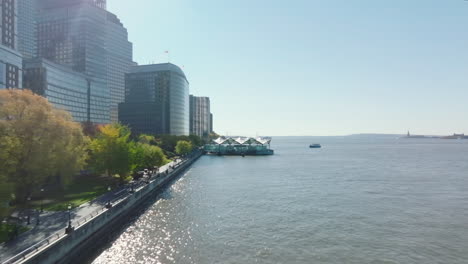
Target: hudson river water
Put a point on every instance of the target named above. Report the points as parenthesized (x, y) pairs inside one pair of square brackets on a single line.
[(356, 200)]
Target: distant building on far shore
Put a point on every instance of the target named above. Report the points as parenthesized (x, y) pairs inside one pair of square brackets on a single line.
[(200, 116), (456, 136), (156, 100)]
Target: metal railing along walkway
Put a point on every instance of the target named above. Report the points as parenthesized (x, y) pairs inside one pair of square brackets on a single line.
[(118, 197)]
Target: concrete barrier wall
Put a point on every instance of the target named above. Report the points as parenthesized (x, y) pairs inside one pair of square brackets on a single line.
[(69, 248)]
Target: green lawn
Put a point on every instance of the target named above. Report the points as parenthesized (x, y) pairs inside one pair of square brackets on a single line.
[(5, 229), (82, 190)]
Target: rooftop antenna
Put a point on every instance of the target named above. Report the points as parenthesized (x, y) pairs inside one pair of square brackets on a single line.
[(168, 56)]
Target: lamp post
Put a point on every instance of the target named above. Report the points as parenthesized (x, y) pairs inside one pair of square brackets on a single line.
[(29, 212), (109, 205), (70, 228), (42, 200)]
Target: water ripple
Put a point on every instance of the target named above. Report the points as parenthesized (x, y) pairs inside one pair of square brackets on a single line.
[(381, 202)]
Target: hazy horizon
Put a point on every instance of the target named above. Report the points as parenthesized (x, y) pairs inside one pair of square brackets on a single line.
[(343, 135), (313, 67)]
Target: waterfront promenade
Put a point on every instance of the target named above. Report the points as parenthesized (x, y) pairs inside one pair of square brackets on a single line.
[(54, 223)]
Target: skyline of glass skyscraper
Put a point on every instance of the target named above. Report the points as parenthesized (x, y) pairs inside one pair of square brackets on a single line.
[(76, 54), (72, 33), (84, 36)]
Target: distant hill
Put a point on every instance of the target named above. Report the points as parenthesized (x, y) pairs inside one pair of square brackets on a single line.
[(375, 135)]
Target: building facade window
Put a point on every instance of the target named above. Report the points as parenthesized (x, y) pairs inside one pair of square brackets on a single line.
[(12, 76), (8, 23), (62, 87)]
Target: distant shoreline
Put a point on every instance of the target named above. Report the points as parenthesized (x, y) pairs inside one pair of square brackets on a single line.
[(382, 135), (438, 137)]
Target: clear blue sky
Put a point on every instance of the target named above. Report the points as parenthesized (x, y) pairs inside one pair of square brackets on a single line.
[(310, 67)]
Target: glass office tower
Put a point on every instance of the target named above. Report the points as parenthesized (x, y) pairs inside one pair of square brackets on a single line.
[(63, 87), (73, 33), (10, 58), (156, 100)]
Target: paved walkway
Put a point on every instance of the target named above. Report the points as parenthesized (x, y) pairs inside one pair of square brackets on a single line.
[(53, 222)]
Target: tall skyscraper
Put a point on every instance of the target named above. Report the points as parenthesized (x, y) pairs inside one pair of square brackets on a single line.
[(84, 36), (119, 60), (200, 116), (10, 58), (72, 33), (156, 100)]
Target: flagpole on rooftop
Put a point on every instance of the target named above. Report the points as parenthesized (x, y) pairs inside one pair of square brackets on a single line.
[(168, 56)]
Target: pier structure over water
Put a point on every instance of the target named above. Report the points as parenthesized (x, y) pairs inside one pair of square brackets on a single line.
[(239, 146)]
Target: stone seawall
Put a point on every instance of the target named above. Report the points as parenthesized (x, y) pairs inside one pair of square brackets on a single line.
[(71, 248)]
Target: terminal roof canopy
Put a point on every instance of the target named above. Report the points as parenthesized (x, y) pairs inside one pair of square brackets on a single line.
[(241, 141)]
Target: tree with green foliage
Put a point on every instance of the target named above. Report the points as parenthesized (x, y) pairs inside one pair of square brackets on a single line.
[(168, 142), (6, 190), (111, 151), (37, 141), (213, 136), (146, 139), (183, 147), (196, 140), (147, 156)]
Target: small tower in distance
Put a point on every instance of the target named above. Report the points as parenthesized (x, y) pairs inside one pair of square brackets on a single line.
[(409, 134)]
